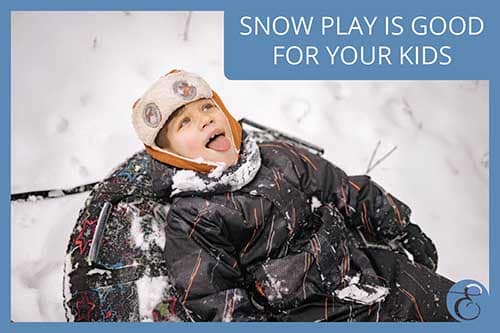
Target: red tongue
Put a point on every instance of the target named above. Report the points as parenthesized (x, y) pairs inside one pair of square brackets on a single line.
[(220, 143)]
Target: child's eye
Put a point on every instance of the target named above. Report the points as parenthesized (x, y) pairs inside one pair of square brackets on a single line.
[(206, 107), (184, 122)]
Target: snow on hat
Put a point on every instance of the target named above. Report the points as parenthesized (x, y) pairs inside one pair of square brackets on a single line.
[(151, 112)]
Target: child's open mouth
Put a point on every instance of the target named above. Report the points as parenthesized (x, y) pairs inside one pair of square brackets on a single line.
[(218, 141)]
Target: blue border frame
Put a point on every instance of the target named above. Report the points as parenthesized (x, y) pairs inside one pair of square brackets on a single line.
[(484, 65)]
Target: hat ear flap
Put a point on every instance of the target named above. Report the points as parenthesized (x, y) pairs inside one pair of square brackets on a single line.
[(233, 123)]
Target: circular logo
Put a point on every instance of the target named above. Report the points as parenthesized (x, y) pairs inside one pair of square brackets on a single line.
[(465, 299), (151, 115), (184, 89)]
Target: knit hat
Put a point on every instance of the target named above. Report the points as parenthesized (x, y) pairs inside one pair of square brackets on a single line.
[(152, 111)]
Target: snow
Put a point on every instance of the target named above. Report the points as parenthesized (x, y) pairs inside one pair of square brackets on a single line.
[(143, 239), (217, 172), (275, 288), (232, 299), (315, 202), (362, 294), (150, 292), (184, 180), (188, 180), (75, 76), (100, 272), (40, 233)]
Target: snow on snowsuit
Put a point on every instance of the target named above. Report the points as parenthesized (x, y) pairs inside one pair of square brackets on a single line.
[(283, 235)]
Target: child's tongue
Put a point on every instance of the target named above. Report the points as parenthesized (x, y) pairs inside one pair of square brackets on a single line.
[(220, 143)]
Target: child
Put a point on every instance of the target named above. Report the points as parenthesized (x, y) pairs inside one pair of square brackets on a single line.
[(243, 241), (255, 231)]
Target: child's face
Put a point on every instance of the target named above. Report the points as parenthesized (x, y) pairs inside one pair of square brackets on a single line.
[(191, 129)]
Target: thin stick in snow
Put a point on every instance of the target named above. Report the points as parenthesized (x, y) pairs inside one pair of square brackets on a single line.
[(306, 110), (381, 159), (373, 156), (409, 110), (186, 26), (485, 160)]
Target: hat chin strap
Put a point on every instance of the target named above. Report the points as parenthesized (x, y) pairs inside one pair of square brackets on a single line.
[(186, 163)]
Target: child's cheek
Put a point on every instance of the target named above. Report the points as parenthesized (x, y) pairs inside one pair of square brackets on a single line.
[(192, 142)]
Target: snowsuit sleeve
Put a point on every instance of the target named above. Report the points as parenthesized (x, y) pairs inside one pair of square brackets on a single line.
[(204, 266), (362, 202)]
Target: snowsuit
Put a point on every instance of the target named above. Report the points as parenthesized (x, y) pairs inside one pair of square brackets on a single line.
[(284, 235), (261, 252)]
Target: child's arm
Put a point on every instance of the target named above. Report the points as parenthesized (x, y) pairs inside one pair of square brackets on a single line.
[(363, 202), (211, 283), (203, 264)]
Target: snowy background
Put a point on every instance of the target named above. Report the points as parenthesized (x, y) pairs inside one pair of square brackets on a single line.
[(75, 77)]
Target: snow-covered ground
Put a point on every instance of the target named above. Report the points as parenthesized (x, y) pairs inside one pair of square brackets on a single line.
[(75, 77)]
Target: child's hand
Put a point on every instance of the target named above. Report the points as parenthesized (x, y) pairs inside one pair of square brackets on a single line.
[(420, 246)]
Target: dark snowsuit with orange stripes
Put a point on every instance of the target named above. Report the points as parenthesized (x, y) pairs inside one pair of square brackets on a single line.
[(301, 241)]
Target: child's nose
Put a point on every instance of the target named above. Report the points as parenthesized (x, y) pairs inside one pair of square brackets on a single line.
[(205, 121)]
